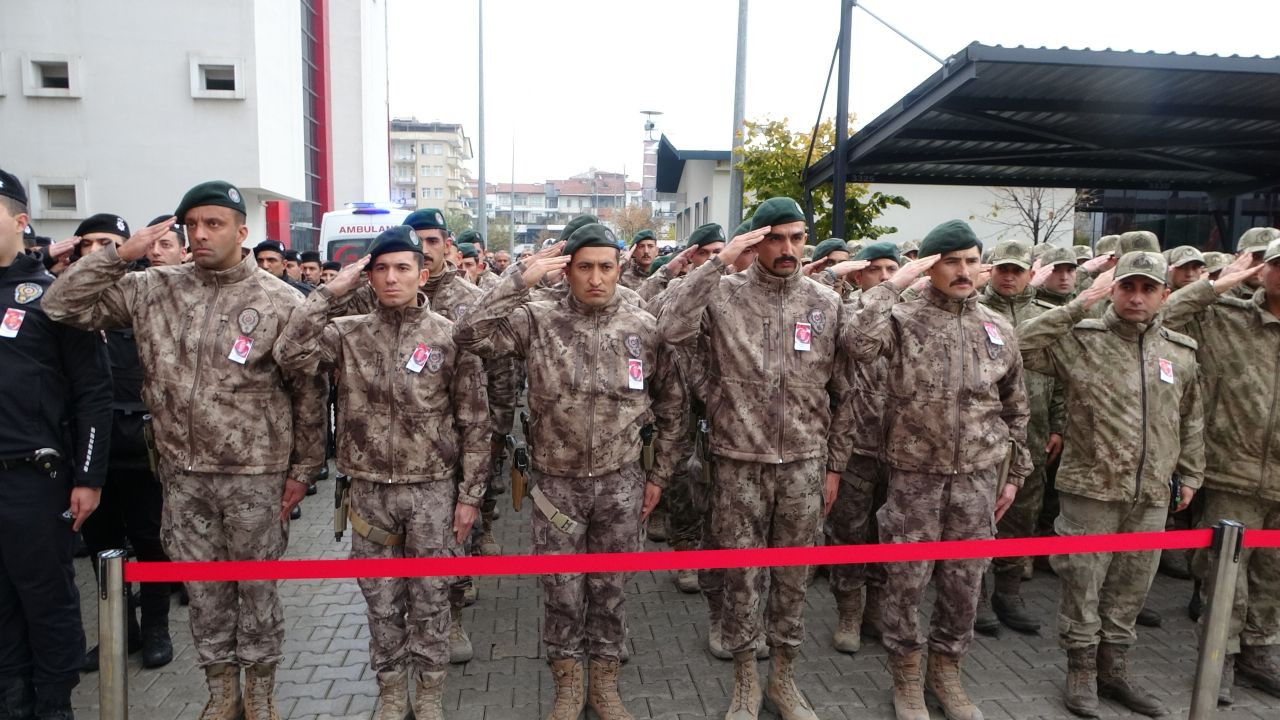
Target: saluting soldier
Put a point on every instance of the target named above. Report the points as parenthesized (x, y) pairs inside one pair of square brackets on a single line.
[(644, 249)]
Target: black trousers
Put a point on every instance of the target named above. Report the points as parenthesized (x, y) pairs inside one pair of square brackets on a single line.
[(132, 501), (41, 636)]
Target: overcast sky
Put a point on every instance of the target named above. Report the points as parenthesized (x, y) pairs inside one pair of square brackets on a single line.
[(566, 79)]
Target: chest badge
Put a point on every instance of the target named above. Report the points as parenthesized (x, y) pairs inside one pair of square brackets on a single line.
[(435, 360), (418, 358), (12, 322), (26, 292), (459, 311), (1166, 371), (817, 320), (248, 320), (633, 344)]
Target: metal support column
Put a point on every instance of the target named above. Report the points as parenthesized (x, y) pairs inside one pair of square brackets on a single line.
[(839, 157), (113, 690), (1228, 538)]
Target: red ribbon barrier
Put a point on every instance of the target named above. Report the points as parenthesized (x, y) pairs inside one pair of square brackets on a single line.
[(230, 571)]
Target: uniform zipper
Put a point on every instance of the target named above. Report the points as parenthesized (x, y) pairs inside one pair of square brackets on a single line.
[(591, 421), (782, 377), (1142, 454), (955, 463), (195, 386), (391, 440), (1271, 418)]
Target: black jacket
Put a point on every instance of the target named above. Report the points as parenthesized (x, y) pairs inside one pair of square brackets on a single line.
[(55, 382)]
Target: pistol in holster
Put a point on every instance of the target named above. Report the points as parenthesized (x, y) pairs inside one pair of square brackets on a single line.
[(341, 505), (519, 471), (646, 450), (149, 438)]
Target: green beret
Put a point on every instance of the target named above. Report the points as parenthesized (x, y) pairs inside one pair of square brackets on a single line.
[(469, 236), (705, 235), (1011, 252), (468, 250), (1139, 241), (395, 239), (1107, 245), (828, 246), (576, 223), (644, 235), (879, 251), (214, 192), (426, 219), (659, 262), (1146, 264), (950, 236), (776, 211), (274, 246), (590, 235), (743, 228), (1257, 239)]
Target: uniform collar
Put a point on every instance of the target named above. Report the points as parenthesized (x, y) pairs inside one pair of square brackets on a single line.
[(946, 303), (608, 308), (1260, 302), (242, 271), (1130, 331), (991, 297), (757, 274), (1052, 297), (24, 267), (435, 283), (406, 312)]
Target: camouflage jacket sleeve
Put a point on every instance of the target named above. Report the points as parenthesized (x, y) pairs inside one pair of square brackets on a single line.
[(670, 410), (361, 301), (1186, 305), (471, 416), (867, 333), (96, 293), (309, 343), (309, 407), (681, 318), (1058, 408), (1016, 414), (501, 389), (1191, 456), (498, 324), (654, 284), (840, 433), (1040, 339)]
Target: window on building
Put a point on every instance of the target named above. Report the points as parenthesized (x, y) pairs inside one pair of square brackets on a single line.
[(438, 149), (439, 193), (57, 198), (51, 75), (217, 78), (426, 171)]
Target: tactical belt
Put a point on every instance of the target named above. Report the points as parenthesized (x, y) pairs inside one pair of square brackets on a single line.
[(44, 460), (371, 533), (559, 520)]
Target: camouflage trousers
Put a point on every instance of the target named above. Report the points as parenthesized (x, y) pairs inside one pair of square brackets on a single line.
[(1255, 614), (228, 517), (1102, 593), (757, 505), (1020, 519), (922, 507), (688, 501), (852, 522), (408, 617), (587, 613)]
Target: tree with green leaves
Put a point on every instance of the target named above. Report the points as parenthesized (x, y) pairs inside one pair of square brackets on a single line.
[(457, 220), (772, 160)]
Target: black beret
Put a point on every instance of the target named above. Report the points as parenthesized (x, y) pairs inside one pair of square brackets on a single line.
[(214, 192), (468, 250), (644, 235), (828, 246), (174, 227), (309, 256), (776, 211), (426, 219), (704, 235), (104, 223), (950, 236), (469, 236), (395, 239), (274, 246), (291, 255), (590, 235), (576, 223), (331, 265), (11, 188), (879, 251)]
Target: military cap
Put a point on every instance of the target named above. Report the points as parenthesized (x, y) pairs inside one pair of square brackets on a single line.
[(909, 246), (104, 223), (659, 262), (879, 251), (1011, 252), (590, 235), (468, 236), (1039, 250), (644, 235), (1083, 252), (1273, 251), (11, 188), (214, 192), (1058, 256), (395, 239), (704, 235), (743, 228), (854, 247), (175, 226), (548, 243), (950, 236), (274, 246), (1107, 245), (577, 222), (291, 255), (426, 219), (1256, 239), (331, 265), (468, 250), (309, 256), (1139, 241), (776, 211), (1215, 261), (828, 246), (1147, 264), (1184, 254)]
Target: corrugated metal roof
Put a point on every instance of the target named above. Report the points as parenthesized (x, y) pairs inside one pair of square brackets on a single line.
[(1078, 118)]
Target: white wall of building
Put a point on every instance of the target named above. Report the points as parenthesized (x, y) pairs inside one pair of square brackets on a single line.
[(358, 100), (704, 185), (135, 139), (934, 204)]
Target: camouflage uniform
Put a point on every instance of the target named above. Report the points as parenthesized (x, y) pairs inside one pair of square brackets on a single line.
[(770, 410), (633, 277), (956, 407), (227, 433), (654, 284), (1239, 351), (578, 361), (1133, 419), (560, 290)]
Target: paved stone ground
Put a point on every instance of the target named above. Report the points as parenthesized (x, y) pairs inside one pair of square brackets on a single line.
[(325, 673)]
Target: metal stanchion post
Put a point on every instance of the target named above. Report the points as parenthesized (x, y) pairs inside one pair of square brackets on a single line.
[(113, 691), (1227, 539)]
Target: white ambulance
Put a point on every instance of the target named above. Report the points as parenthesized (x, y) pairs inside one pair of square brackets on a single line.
[(345, 235)]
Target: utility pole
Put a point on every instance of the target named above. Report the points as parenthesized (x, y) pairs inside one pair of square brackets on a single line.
[(840, 159), (511, 242), (739, 110), (482, 211)]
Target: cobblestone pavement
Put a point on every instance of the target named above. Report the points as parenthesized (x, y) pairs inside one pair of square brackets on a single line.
[(325, 673)]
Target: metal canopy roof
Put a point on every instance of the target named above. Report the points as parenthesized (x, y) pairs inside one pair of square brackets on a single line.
[(671, 163), (1078, 119)]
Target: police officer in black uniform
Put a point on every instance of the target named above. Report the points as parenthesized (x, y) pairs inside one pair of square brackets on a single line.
[(270, 255), (55, 433)]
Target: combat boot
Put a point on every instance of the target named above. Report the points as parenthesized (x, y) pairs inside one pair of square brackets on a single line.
[(569, 701), (488, 543), (460, 650), (224, 692), (1114, 683), (944, 683), (686, 580), (715, 613), (872, 608), (985, 621), (848, 635), (602, 690), (786, 699), (908, 687), (1081, 696), (1174, 564), (1149, 618), (1259, 666), (657, 526), (1225, 696), (393, 695), (428, 695), (1009, 607), (260, 692), (746, 688), (1195, 605), (17, 699)]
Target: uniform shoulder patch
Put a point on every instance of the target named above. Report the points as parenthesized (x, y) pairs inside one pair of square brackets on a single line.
[(1178, 338), (1091, 324)]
